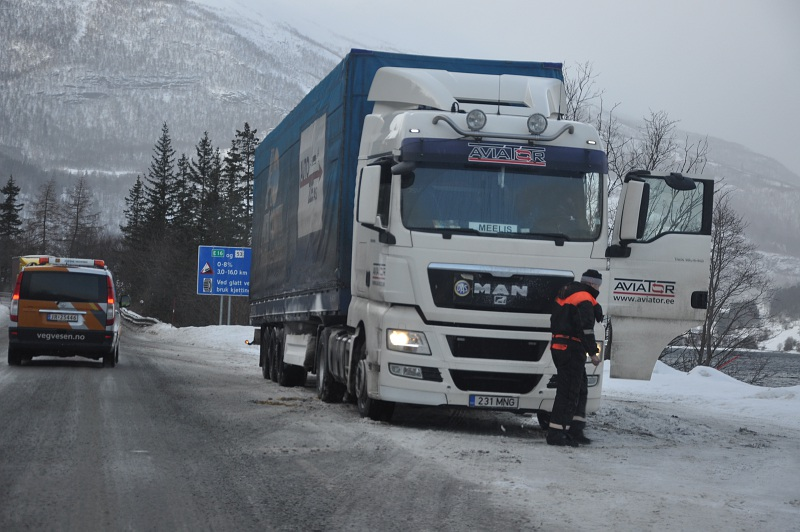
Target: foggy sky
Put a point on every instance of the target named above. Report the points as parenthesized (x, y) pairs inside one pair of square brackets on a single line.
[(725, 68)]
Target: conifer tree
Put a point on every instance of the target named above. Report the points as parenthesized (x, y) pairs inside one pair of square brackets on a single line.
[(247, 142), (185, 209), (160, 185), (136, 203), (234, 222), (202, 176), (10, 230), (10, 209)]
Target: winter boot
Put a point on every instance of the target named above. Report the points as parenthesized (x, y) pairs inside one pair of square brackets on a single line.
[(560, 438), (575, 431)]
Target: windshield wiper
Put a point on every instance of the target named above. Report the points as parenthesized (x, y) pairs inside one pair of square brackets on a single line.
[(558, 238)]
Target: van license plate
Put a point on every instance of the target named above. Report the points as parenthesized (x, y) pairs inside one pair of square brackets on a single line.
[(494, 401), (62, 317)]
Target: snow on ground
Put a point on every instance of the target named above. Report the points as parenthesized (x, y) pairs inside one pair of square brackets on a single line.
[(706, 387), (683, 451)]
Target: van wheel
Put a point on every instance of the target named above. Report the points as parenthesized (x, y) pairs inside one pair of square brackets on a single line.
[(14, 359), (110, 359), (372, 408)]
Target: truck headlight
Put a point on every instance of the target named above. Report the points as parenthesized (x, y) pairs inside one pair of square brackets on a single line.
[(476, 120), (407, 341), (537, 123)]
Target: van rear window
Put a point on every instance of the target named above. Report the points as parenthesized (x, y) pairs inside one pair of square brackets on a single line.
[(63, 286)]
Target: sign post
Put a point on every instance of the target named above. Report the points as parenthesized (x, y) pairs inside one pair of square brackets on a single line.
[(223, 271)]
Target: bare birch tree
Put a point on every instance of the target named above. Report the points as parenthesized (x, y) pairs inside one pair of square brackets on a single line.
[(738, 288)]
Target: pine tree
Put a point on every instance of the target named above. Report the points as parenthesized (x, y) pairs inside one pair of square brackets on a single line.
[(10, 209), (234, 222), (202, 175), (10, 231), (247, 142), (160, 186), (185, 209), (136, 202)]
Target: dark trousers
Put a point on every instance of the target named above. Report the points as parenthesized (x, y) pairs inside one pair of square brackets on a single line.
[(571, 383)]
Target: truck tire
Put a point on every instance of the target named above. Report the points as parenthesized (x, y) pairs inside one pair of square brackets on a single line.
[(543, 418), (297, 375), (272, 355), (14, 359), (328, 390), (263, 350), (283, 371), (367, 407)]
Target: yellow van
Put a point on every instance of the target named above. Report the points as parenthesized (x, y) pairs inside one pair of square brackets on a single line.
[(65, 307)]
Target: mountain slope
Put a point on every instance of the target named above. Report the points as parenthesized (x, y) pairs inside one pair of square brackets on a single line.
[(85, 85)]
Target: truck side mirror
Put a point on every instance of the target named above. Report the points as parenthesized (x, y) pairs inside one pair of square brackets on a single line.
[(634, 211), (368, 190), (125, 301)]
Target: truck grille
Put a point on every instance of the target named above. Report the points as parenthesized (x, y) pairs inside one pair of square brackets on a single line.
[(496, 348), (477, 288), (487, 381)]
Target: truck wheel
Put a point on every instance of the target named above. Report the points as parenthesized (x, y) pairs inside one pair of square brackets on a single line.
[(263, 350), (297, 376), (543, 418), (13, 357), (272, 355), (328, 390), (282, 371), (372, 408)]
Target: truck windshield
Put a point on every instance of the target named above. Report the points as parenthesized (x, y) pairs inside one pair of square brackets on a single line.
[(503, 201)]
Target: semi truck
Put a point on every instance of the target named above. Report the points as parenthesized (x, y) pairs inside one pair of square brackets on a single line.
[(414, 217)]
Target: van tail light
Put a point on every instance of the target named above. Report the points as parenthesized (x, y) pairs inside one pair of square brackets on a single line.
[(110, 308), (14, 312)]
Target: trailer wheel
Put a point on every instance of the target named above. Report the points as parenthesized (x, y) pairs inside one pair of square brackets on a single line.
[(263, 349), (272, 355), (372, 408), (328, 390), (281, 370)]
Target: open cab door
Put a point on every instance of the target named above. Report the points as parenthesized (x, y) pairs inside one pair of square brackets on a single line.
[(660, 266)]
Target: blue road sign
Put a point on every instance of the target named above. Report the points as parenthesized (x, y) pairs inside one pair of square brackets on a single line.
[(223, 271)]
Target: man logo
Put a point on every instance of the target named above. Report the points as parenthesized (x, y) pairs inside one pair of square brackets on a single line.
[(462, 288)]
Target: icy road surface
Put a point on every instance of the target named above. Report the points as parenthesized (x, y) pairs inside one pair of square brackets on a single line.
[(185, 434)]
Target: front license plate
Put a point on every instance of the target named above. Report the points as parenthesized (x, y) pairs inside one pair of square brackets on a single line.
[(72, 318), (493, 401)]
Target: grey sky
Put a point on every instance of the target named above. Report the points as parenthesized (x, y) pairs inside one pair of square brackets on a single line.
[(726, 68)]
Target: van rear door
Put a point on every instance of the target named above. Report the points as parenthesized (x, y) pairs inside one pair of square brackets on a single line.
[(56, 298)]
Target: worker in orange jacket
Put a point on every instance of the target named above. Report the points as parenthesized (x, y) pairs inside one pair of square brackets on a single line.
[(572, 324)]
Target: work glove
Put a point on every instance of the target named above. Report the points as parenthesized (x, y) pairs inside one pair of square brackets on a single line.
[(595, 359)]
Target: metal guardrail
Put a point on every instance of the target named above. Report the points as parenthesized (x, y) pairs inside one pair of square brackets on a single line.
[(135, 319)]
